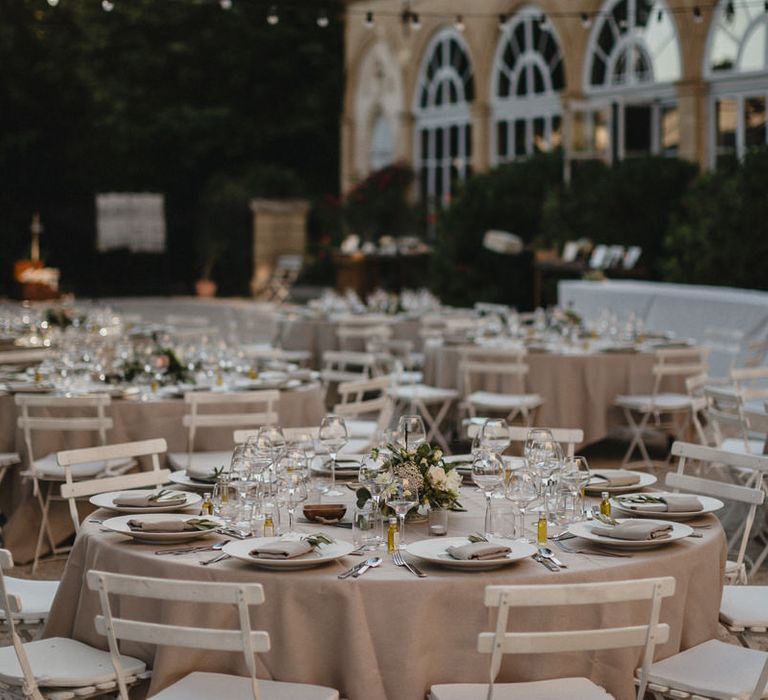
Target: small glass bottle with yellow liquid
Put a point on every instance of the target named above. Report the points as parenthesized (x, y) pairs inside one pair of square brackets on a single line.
[(541, 529), (605, 505)]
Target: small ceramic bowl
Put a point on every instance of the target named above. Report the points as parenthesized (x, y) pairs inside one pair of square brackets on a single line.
[(324, 512)]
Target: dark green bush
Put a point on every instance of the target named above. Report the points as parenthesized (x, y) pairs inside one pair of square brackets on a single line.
[(509, 198), (721, 235)]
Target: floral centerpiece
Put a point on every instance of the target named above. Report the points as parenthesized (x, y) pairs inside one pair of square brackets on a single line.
[(438, 483), (163, 364)]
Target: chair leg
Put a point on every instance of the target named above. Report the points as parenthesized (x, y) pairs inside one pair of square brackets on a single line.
[(637, 438), (434, 423), (44, 529)]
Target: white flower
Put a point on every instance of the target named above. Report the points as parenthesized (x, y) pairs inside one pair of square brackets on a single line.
[(453, 482), (437, 455), (438, 478)]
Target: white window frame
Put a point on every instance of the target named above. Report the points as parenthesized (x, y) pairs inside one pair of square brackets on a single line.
[(442, 118)]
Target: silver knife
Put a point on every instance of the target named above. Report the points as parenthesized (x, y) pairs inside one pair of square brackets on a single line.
[(546, 562), (355, 568)]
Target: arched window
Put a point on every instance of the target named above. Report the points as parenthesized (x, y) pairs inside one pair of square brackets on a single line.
[(736, 64), (527, 76), (444, 92), (382, 151), (632, 64)]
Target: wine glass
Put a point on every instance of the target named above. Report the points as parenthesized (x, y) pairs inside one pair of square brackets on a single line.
[(494, 435), (575, 476), (488, 475), (295, 491), (522, 492), (271, 439), (412, 431), (403, 495), (333, 435)]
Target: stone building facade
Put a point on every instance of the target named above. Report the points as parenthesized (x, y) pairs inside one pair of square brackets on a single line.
[(457, 86)]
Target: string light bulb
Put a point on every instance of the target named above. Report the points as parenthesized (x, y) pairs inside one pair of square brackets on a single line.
[(586, 20), (225, 4), (660, 15), (272, 17), (541, 20), (107, 5), (504, 21), (459, 24), (53, 3), (697, 16), (415, 21), (369, 20), (322, 19)]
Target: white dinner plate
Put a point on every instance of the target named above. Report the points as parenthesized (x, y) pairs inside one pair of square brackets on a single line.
[(434, 551), (183, 479), (709, 505), (120, 524), (598, 487), (583, 529), (107, 500), (320, 555)]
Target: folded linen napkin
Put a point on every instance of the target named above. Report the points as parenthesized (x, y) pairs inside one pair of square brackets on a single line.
[(302, 374), (150, 500), (636, 530), (161, 525), (682, 503), (281, 550), (616, 477), (479, 551)]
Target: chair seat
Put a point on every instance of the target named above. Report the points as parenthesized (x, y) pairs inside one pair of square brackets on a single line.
[(713, 669), (424, 393), (410, 377), (65, 663), (645, 403), (558, 689), (48, 468), (488, 399), (207, 686), (744, 606), (737, 445), (203, 463), (8, 458), (36, 597)]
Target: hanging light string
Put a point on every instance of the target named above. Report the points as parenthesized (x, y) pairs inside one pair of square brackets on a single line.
[(411, 19)]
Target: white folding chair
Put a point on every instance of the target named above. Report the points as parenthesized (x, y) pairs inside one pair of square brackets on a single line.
[(751, 383), (365, 406), (646, 636), (69, 459), (479, 366), (345, 366), (204, 411), (241, 596), (670, 411), (752, 496), (91, 417), (355, 337), (397, 357), (432, 403), (55, 668), (730, 427), (567, 437)]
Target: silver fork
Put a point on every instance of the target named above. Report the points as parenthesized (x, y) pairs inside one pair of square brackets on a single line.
[(399, 560), (218, 558), (562, 546)]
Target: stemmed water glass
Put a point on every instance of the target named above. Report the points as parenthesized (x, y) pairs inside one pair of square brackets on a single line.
[(333, 435), (295, 491), (376, 475), (403, 495), (494, 435), (488, 475), (522, 492), (412, 431), (575, 477)]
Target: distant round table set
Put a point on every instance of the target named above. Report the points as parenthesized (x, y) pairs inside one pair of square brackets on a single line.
[(389, 634)]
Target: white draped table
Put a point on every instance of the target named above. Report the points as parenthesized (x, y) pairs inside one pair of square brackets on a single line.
[(389, 635)]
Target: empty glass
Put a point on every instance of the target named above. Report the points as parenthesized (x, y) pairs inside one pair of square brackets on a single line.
[(494, 435), (412, 431), (574, 478), (488, 475), (522, 492), (333, 435)]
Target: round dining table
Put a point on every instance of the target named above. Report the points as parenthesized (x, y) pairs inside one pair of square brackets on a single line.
[(388, 634), (134, 419), (578, 387)]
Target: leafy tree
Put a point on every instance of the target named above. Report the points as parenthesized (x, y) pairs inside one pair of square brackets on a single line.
[(721, 235)]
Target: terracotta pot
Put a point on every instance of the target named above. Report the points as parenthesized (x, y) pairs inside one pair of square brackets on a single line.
[(206, 288)]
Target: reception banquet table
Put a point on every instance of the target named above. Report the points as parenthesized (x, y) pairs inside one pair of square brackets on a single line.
[(133, 420), (389, 635), (578, 388)]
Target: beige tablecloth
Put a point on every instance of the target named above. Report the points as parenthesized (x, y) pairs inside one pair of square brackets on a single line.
[(578, 390), (389, 635), (133, 420), (319, 335)]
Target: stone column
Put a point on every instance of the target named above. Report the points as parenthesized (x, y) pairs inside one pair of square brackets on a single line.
[(279, 228), (481, 136), (693, 109)]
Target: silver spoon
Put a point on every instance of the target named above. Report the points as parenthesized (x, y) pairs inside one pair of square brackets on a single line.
[(372, 563), (547, 553)]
